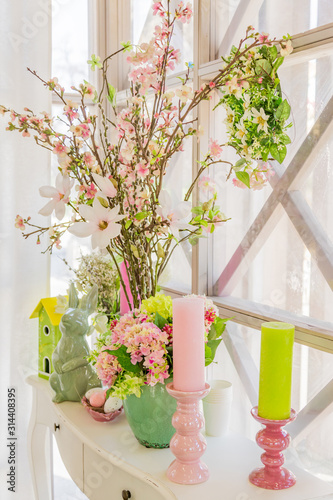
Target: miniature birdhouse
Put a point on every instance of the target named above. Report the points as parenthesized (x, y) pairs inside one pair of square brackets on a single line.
[(48, 334)]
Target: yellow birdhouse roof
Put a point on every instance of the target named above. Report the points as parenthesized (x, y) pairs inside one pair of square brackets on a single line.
[(49, 305)]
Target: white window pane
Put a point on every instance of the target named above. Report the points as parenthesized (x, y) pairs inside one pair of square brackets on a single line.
[(178, 273), (275, 18), (70, 42), (143, 25)]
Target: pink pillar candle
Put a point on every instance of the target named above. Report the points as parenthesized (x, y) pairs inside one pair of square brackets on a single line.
[(188, 344), (124, 307)]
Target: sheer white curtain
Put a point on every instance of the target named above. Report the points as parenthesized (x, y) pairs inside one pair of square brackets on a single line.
[(25, 41)]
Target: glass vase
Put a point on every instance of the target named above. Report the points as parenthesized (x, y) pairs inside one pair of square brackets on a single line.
[(150, 415)]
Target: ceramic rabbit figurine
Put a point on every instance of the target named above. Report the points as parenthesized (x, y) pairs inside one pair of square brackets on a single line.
[(73, 375)]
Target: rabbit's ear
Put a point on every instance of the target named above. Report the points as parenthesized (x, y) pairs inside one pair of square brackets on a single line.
[(89, 301), (73, 300)]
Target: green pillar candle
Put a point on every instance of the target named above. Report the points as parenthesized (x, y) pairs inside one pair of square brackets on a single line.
[(276, 357)]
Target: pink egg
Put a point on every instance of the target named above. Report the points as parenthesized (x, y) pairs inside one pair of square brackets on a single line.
[(97, 399)]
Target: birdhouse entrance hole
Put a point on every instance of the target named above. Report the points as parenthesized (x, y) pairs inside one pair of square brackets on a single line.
[(47, 365), (46, 330)]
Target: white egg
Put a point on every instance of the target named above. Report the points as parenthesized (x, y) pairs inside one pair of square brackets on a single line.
[(112, 404), (92, 391)]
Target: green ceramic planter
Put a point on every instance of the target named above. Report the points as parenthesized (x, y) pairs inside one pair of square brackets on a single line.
[(150, 415)]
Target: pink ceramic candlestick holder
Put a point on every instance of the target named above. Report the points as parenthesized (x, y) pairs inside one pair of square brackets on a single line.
[(188, 444), (274, 440)]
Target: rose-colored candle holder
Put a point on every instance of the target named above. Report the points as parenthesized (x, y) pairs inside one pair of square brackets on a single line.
[(188, 444), (274, 440)]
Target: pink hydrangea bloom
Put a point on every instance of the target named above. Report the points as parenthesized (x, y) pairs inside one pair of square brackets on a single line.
[(107, 367), (145, 343)]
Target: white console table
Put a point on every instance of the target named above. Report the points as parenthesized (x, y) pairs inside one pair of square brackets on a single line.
[(104, 459)]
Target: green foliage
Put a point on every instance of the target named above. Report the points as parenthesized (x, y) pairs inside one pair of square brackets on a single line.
[(160, 321), (283, 111), (278, 152), (95, 62), (124, 359), (214, 339), (111, 97), (210, 350), (217, 328), (127, 46), (239, 164), (244, 178), (141, 215), (264, 136), (263, 67)]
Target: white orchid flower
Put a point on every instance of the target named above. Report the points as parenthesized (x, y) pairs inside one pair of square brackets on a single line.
[(105, 185), (174, 215), (59, 194), (101, 224)]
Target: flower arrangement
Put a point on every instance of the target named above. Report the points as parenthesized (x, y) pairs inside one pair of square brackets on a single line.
[(137, 349), (120, 198)]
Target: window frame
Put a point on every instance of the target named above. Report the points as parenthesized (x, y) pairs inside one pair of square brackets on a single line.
[(104, 41)]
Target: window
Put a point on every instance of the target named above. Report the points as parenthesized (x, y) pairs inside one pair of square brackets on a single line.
[(71, 49), (273, 260)]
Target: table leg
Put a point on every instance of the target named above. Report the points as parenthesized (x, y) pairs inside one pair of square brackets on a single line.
[(40, 454)]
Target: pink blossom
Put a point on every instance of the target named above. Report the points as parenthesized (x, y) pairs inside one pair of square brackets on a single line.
[(91, 191), (238, 183), (286, 48), (58, 244), (264, 38), (207, 184), (54, 85), (81, 130), (19, 223), (25, 133), (142, 169), (89, 159), (60, 149), (184, 14), (70, 109), (215, 149), (158, 8), (211, 85), (88, 90)]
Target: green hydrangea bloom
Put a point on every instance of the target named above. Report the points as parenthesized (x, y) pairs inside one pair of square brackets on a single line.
[(127, 386), (159, 303)]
